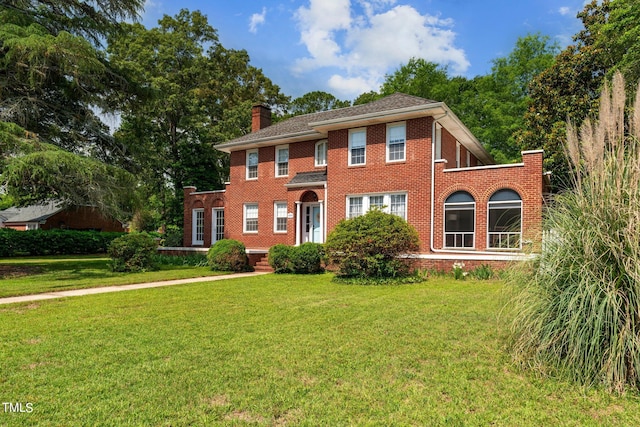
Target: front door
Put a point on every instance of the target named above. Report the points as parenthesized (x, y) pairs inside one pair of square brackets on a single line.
[(312, 224)]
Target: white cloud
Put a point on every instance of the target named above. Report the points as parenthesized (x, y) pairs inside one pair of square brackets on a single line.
[(564, 10), (256, 20), (366, 46)]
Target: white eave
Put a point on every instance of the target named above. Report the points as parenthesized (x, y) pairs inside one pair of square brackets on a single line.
[(270, 141)]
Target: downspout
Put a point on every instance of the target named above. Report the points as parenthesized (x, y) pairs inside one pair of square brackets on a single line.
[(433, 174)]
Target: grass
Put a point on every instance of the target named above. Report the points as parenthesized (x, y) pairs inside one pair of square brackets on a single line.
[(25, 276), (282, 350)]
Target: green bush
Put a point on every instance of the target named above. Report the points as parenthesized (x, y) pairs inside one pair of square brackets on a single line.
[(304, 259), (370, 246), (53, 242), (173, 236), (132, 252), (280, 258), (228, 255), (483, 272)]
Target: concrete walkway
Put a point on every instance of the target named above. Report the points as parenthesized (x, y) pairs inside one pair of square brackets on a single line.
[(106, 289)]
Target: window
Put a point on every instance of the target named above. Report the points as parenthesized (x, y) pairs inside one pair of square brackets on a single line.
[(252, 164), (251, 218), (280, 217), (217, 229), (459, 220), (357, 147), (355, 207), (197, 229), (399, 205), (389, 203), (321, 153), (505, 220), (396, 136), (282, 160)]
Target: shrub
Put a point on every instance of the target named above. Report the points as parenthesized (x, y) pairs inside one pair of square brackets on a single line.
[(280, 258), (307, 258), (228, 255), (483, 272), (370, 245), (54, 242), (132, 252), (577, 309), (173, 236)]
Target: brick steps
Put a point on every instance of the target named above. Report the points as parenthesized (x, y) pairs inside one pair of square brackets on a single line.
[(263, 265)]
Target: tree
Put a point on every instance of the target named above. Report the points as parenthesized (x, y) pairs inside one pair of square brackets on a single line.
[(198, 93), (315, 101)]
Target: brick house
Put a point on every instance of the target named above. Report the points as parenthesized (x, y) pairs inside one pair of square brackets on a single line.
[(293, 181)]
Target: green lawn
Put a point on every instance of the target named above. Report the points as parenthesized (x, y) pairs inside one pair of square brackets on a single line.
[(282, 350), (24, 276)]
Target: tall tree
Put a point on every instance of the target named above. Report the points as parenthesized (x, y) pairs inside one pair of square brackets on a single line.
[(315, 101), (199, 94)]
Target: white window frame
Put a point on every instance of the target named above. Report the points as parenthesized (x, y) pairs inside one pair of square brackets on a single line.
[(326, 152), (386, 207), (351, 133), (215, 225), (277, 207), (390, 126), (460, 206), (277, 162), (197, 222), (249, 152), (501, 234), (245, 218)]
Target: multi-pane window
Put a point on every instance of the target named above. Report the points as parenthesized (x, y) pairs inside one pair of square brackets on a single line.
[(505, 220), (355, 207), (217, 217), (252, 164), (396, 138), (197, 236), (280, 217), (391, 203), (282, 161), (321, 153), (398, 204), (251, 218), (376, 202), (357, 147), (459, 220)]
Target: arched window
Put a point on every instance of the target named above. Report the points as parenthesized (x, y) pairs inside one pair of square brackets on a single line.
[(459, 220), (505, 220)]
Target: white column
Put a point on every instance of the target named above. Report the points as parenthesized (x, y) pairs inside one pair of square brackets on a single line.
[(298, 208)]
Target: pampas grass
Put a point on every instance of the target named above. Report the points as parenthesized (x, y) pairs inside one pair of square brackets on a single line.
[(577, 310)]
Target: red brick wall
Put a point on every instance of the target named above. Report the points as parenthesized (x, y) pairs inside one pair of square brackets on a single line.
[(525, 179), (206, 200), (82, 218)]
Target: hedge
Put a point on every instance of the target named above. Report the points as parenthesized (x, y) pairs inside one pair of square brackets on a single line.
[(53, 242)]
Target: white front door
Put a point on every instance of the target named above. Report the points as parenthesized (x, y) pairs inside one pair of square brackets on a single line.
[(312, 223)]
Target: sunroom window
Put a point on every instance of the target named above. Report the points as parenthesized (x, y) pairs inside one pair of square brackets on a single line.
[(459, 220), (505, 220)]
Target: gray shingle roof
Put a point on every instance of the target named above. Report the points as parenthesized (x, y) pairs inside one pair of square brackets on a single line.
[(300, 124), (34, 213), (313, 177)]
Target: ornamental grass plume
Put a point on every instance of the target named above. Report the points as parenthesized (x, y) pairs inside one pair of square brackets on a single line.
[(577, 312)]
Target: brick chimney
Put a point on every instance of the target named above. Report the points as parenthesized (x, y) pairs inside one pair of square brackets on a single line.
[(260, 117)]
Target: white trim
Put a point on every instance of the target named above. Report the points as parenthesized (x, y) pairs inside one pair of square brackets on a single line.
[(244, 217), (438, 141), (404, 144), (461, 206), (473, 168), (307, 184), (366, 206), (326, 153), (298, 222), (276, 161), (474, 256), (207, 192), (532, 152), (183, 249), (194, 226), (351, 132), (246, 164), (468, 158), (276, 217)]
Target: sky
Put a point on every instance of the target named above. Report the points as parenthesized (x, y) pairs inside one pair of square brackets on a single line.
[(346, 47)]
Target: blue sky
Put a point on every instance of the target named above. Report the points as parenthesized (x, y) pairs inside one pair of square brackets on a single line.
[(345, 47)]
